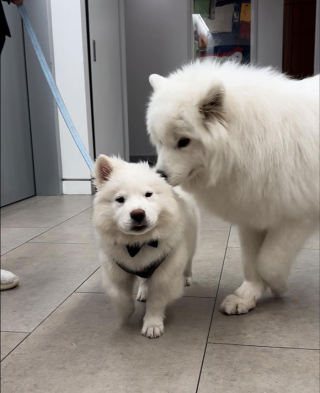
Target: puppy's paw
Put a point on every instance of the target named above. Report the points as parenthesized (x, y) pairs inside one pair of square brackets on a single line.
[(233, 304), (142, 293), (188, 281), (152, 331), (152, 327)]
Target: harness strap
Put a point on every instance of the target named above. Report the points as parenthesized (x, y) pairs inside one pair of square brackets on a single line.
[(145, 272)]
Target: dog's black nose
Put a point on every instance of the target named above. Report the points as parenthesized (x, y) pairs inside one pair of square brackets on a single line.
[(162, 174), (138, 215)]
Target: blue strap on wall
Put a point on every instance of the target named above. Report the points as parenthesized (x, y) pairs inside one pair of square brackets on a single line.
[(54, 88)]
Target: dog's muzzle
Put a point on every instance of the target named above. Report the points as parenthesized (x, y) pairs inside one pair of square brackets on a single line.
[(162, 174)]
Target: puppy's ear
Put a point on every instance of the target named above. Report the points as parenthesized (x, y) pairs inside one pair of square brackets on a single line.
[(212, 106), (102, 170), (156, 81)]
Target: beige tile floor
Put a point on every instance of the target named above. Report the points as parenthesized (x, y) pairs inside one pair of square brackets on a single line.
[(58, 332)]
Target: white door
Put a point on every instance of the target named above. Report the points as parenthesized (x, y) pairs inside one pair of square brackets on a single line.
[(106, 74)]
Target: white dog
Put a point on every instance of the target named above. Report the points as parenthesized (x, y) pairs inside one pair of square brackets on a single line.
[(245, 142), (147, 230)]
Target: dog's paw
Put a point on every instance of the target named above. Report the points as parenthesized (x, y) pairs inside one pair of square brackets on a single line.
[(152, 331), (188, 281), (233, 304), (152, 327), (142, 293)]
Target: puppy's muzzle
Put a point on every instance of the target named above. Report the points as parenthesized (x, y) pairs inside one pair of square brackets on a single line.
[(138, 215)]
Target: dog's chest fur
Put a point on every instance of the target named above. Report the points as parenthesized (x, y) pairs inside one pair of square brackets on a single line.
[(238, 202)]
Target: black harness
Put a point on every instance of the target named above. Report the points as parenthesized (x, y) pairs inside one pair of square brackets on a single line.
[(147, 271)]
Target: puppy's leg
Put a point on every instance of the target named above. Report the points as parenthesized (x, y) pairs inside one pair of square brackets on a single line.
[(165, 285), (142, 290), (119, 286), (160, 295), (188, 273), (246, 296), (278, 251)]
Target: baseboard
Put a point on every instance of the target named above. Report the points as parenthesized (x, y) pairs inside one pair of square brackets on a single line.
[(77, 187)]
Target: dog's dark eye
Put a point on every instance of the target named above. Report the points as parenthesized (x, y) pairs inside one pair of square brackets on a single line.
[(183, 142), (148, 194), (120, 200)]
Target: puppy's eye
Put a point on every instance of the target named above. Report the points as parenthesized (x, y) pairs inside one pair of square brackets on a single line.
[(120, 200), (183, 142), (148, 194)]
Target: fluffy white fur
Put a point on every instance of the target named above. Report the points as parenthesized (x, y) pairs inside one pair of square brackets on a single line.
[(171, 217), (252, 159)]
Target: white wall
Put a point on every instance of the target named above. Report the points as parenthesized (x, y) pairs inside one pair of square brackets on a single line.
[(70, 58)]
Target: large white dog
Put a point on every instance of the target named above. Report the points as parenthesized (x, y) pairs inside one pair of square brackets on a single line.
[(245, 142)]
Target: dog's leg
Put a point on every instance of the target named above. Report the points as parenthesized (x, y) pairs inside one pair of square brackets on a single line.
[(119, 286), (188, 273), (192, 240), (159, 296), (246, 296), (142, 290), (277, 254), (165, 285)]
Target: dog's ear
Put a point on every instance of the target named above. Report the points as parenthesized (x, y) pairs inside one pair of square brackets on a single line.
[(156, 81), (102, 170), (212, 106)]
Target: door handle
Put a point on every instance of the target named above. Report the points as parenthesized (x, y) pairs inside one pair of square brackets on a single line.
[(94, 50)]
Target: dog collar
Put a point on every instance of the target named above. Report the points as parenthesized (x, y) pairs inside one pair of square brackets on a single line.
[(134, 249), (144, 272)]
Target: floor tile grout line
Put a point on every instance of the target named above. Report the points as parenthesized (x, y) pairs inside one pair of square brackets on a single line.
[(189, 296), (214, 306), (50, 313), (28, 334), (262, 346), (62, 222), (41, 198), (75, 291), (3, 227), (15, 347), (87, 278), (24, 228), (18, 208), (303, 248), (29, 241), (214, 230)]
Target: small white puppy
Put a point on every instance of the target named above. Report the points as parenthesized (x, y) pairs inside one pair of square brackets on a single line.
[(245, 142), (148, 231)]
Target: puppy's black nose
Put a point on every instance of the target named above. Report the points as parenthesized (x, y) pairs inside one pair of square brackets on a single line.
[(138, 215), (162, 174)]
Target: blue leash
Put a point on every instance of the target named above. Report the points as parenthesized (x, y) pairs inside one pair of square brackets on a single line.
[(54, 88)]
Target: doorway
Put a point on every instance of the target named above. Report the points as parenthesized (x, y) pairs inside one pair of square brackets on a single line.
[(299, 26)]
